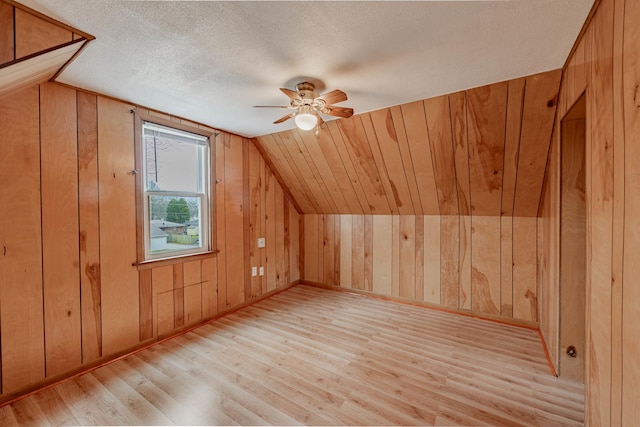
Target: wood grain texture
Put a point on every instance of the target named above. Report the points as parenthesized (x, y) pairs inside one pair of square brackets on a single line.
[(255, 193), (465, 243), (407, 253), (163, 302), (221, 222), (34, 34), (573, 255), (540, 101), (281, 274), (60, 254), (441, 141), (21, 295), (431, 281), (449, 261), (486, 110), (418, 139), (485, 265), (7, 47), (234, 219), (357, 252), (382, 254), (118, 281), (311, 238), (506, 266), (630, 382), (328, 236), (346, 245), (361, 155), (270, 232), (209, 268), (513, 129), (283, 361), (89, 223), (294, 246), (525, 295)]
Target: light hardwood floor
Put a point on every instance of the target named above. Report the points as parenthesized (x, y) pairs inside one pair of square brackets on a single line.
[(315, 356)]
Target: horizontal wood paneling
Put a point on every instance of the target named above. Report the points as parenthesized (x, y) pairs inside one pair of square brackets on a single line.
[(471, 152), (416, 258)]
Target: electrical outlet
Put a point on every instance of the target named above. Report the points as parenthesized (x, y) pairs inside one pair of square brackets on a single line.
[(254, 271), (261, 242), (261, 270)]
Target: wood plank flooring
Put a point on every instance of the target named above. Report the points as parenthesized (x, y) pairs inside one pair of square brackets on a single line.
[(320, 357)]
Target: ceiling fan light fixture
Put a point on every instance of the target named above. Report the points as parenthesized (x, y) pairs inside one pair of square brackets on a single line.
[(305, 120)]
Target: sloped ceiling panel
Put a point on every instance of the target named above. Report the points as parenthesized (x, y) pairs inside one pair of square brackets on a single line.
[(481, 151)]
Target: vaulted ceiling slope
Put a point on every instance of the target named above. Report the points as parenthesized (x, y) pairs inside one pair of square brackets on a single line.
[(481, 151), (212, 61)]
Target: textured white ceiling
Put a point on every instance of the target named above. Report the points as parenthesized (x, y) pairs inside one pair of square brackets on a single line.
[(211, 61)]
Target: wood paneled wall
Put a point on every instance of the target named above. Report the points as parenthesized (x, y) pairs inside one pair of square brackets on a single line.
[(427, 258), (605, 65), (70, 294), (477, 152)]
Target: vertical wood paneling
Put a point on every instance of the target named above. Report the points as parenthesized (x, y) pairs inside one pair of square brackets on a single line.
[(270, 231), (458, 104), (280, 273), (311, 144), (60, 255), (262, 220), (119, 280), (418, 138), (395, 256), (630, 308), (287, 241), (255, 192), (34, 34), (485, 284), (192, 303), (234, 219), (146, 304), (21, 317), (355, 139), (162, 284), (382, 254), (328, 248), (90, 291), (525, 296), (339, 171), (407, 161), (368, 253), (486, 111), (431, 282), (506, 266), (539, 108), (6, 33), (311, 225), (392, 170), (178, 295), (449, 260), (209, 269), (357, 253), (601, 219), (346, 239), (419, 259), (515, 100), (221, 224), (464, 262), (441, 143), (294, 247), (407, 239), (573, 249)]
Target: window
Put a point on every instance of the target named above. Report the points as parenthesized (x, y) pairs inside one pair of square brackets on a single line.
[(175, 168)]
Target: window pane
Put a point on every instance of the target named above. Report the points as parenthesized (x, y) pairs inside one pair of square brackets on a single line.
[(174, 224), (173, 165)]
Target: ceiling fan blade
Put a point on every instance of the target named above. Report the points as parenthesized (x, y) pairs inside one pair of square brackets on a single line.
[(272, 106), (284, 119), (334, 97), (320, 121), (291, 93), (343, 112)]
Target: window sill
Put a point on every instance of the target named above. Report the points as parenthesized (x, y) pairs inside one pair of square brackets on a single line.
[(153, 263)]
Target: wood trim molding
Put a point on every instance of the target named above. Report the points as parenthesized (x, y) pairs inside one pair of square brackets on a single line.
[(48, 19)]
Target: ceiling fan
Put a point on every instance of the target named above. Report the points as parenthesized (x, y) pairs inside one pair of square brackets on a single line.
[(309, 106)]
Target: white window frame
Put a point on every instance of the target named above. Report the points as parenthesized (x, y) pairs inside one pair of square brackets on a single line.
[(204, 194)]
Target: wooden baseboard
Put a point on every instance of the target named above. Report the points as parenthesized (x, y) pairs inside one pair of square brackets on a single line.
[(496, 319), (106, 360)]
